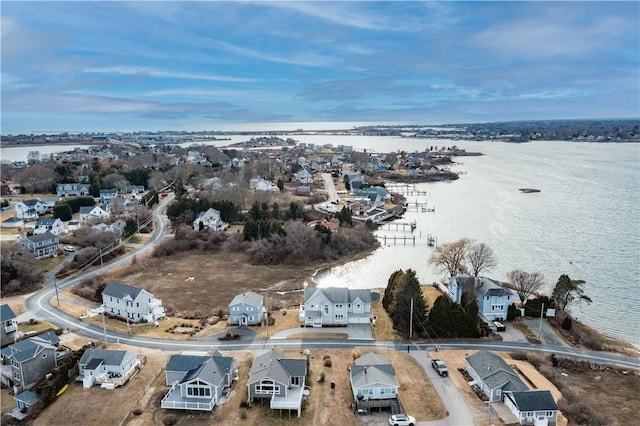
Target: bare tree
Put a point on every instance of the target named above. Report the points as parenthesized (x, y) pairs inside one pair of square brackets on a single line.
[(525, 283), (114, 181), (36, 178), (480, 257), (451, 257)]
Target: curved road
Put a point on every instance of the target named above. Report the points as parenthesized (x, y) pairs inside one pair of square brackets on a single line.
[(40, 306)]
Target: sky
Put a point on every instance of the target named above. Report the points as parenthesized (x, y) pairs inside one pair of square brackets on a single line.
[(204, 65)]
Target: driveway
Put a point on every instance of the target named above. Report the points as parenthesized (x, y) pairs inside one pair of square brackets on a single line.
[(548, 335), (354, 331)]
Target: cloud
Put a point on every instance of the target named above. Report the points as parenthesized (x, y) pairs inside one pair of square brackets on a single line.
[(159, 73)]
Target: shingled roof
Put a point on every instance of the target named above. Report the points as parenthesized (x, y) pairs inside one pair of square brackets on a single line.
[(533, 400), (121, 290), (274, 365)]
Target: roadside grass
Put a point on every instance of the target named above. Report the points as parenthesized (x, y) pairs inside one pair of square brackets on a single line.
[(51, 262), (7, 402), (147, 329), (28, 327), (383, 330), (430, 294), (282, 322)]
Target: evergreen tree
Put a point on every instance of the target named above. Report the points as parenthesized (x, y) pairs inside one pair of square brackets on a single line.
[(406, 290)]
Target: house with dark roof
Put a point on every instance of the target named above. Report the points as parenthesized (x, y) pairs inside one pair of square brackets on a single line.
[(13, 222), (493, 299), (279, 379), (55, 226), (209, 219), (372, 378), (30, 360), (335, 306), (535, 407), (131, 303), (30, 209), (93, 214), (8, 325), (247, 309), (41, 245), (72, 189), (107, 367), (198, 382), (493, 375), (24, 400)]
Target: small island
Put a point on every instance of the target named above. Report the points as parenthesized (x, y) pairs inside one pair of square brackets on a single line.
[(528, 190)]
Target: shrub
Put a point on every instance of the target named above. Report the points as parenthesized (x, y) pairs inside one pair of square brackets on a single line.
[(327, 362), (356, 353), (244, 403), (170, 420), (326, 356), (567, 323), (137, 411)]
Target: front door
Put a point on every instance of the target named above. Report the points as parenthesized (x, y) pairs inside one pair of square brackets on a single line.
[(243, 320)]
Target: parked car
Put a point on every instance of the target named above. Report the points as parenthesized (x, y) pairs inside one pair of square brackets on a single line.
[(440, 367), (69, 249), (402, 420)]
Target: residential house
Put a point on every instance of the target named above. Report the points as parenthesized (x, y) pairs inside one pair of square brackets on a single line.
[(93, 214), (335, 306), (72, 189), (197, 382), (493, 375), (131, 303), (30, 360), (107, 367), (8, 325), (331, 226), (362, 207), (535, 407), (247, 309), (30, 209), (462, 284), (304, 176), (13, 222), (303, 190), (493, 300), (372, 378), (49, 203), (209, 219), (41, 245), (107, 194), (279, 379), (55, 226), (26, 399)]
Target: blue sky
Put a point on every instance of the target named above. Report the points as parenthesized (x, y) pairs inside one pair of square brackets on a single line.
[(109, 66)]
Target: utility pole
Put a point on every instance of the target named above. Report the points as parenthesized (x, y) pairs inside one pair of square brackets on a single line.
[(55, 283), (126, 312), (101, 264), (411, 321), (104, 323), (540, 329)]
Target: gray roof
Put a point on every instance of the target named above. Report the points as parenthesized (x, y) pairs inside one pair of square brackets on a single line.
[(41, 237), (46, 222), (248, 298), (339, 294), (276, 366), (31, 202), (121, 290), (85, 209), (27, 397), (498, 292), (495, 372), (23, 350), (211, 371), (371, 358), (6, 313), (364, 375), (108, 357), (533, 400), (49, 337), (13, 219), (185, 363)]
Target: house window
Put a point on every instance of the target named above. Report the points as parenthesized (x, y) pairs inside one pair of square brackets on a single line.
[(16, 376), (198, 391), (497, 307), (326, 309), (339, 317), (549, 413), (249, 308), (295, 381), (339, 306), (267, 387), (235, 308), (251, 318), (137, 304), (110, 299)]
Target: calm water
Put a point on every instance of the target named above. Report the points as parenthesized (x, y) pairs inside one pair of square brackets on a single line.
[(585, 222)]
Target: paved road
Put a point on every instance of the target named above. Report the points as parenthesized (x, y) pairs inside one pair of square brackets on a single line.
[(330, 187), (545, 331)]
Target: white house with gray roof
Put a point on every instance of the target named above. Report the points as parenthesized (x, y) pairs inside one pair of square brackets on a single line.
[(107, 367), (197, 382), (493, 375), (493, 299), (209, 219), (72, 189), (8, 325), (372, 377), (132, 303), (247, 309), (55, 226), (335, 306), (279, 379), (93, 214), (536, 407)]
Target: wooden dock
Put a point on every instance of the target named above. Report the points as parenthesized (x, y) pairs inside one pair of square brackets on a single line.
[(397, 240)]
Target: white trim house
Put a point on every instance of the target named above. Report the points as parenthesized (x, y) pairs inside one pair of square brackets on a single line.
[(493, 375), (55, 226), (41, 245), (247, 309), (372, 377), (335, 306), (533, 407), (132, 303), (197, 382), (8, 325), (209, 219), (107, 366)]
